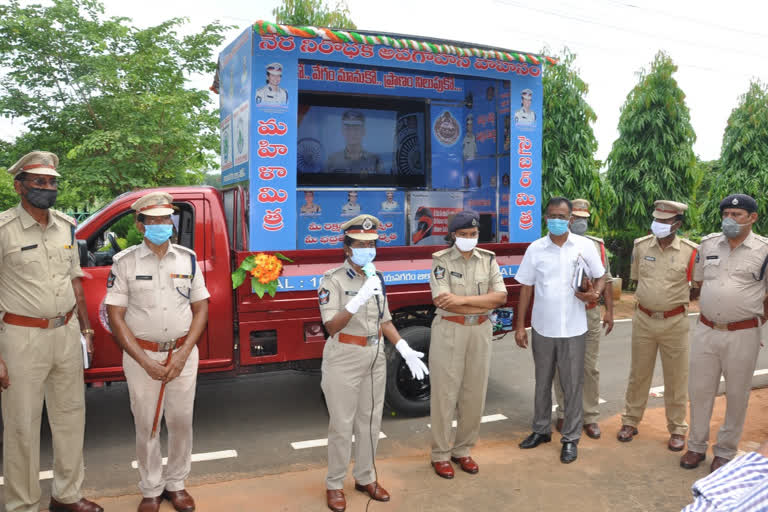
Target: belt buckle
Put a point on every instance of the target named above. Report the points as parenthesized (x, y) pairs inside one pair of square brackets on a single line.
[(165, 346), (58, 321), (372, 340), (719, 327), (471, 319), (658, 315)]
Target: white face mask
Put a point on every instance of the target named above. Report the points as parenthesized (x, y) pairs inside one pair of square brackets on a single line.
[(660, 229), (465, 244)]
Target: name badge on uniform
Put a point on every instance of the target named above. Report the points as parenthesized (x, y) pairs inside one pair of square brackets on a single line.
[(324, 296), (350, 293), (713, 257), (456, 274), (650, 258), (28, 247), (439, 272), (143, 278)]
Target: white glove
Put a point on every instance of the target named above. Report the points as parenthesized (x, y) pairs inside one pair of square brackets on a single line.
[(412, 359), (371, 287)]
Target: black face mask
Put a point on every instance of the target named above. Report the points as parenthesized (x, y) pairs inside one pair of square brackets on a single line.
[(42, 198)]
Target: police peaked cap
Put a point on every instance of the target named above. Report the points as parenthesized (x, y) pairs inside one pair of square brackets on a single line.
[(464, 220), (741, 201), (362, 227)]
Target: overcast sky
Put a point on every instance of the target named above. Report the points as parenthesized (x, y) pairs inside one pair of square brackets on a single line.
[(718, 46)]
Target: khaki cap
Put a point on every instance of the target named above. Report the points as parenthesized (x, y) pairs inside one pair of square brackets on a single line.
[(580, 208), (362, 227), (664, 209), (36, 162), (154, 204)]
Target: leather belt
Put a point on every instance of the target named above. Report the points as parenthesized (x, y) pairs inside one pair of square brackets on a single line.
[(161, 346), (467, 319), (361, 341), (733, 326), (661, 314), (41, 323), (591, 305)]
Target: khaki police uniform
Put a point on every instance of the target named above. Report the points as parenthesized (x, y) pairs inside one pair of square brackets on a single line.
[(345, 161), (731, 292), (37, 266), (660, 325), (351, 375), (157, 294), (460, 353), (591, 393)]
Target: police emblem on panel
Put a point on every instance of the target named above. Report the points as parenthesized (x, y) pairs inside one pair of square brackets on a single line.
[(272, 93), (446, 129)]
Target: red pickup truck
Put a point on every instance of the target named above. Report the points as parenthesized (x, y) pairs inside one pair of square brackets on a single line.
[(246, 334)]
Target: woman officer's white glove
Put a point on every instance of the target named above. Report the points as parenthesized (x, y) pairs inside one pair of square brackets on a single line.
[(371, 287), (412, 359)]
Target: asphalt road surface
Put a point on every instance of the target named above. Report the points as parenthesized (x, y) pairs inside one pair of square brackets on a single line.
[(276, 422)]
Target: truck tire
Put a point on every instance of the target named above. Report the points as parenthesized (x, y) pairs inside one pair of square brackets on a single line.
[(404, 394)]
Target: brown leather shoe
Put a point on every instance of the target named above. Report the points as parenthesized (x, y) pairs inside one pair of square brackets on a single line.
[(443, 468), (467, 464), (559, 424), (181, 500), (676, 442), (691, 460), (79, 506), (717, 463), (592, 430), (150, 504), (626, 433), (336, 500), (374, 490)]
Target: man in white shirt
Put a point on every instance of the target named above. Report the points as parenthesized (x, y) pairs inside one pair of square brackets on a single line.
[(559, 321)]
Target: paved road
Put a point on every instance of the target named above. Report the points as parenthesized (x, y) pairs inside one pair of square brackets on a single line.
[(260, 416)]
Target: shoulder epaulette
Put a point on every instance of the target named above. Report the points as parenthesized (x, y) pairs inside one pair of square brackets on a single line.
[(643, 239), (332, 271), (690, 243), (65, 217), (711, 236), (7, 216), (761, 238), (596, 239), (122, 253), (184, 249), (441, 252), (486, 252)]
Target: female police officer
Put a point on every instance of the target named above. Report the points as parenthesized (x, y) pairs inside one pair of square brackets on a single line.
[(356, 313), (466, 283)]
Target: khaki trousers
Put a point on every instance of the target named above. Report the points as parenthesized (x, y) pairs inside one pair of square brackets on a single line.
[(459, 362), (591, 398), (669, 337), (353, 380), (177, 409), (43, 364), (732, 354)]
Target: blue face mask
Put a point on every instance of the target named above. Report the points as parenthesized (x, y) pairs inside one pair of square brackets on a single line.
[(158, 234), (361, 256), (557, 226)]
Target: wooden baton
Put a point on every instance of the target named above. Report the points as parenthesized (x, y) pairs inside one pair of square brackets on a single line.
[(160, 397)]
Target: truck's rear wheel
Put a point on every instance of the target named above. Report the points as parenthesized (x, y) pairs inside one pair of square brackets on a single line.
[(406, 395)]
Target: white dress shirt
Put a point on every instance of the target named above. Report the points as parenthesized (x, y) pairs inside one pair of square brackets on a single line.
[(557, 313)]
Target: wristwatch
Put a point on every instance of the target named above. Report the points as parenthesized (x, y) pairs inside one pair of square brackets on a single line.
[(87, 331)]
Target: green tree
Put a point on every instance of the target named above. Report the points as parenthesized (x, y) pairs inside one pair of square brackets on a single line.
[(705, 172), (744, 159), (110, 99), (652, 158), (569, 144), (313, 13)]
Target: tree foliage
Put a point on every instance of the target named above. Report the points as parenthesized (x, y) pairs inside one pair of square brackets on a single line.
[(744, 159), (653, 157), (112, 100), (313, 13), (569, 167)]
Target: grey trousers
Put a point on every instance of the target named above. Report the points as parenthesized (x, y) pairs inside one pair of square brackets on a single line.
[(567, 356)]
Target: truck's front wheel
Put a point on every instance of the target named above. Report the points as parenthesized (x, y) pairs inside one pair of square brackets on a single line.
[(406, 395)]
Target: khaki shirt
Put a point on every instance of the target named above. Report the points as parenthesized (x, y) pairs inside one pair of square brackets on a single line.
[(452, 273), (730, 289), (337, 288), (37, 265), (662, 276), (157, 293)]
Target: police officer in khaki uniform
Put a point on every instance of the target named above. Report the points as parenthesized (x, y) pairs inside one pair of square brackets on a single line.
[(157, 304), (41, 357), (731, 270), (662, 265), (591, 394), (466, 285), (355, 313)]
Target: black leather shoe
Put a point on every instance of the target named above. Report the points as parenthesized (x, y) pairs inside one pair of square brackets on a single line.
[(534, 440), (568, 453)]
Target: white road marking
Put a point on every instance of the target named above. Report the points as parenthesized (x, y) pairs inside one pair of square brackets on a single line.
[(200, 457), (44, 475), (485, 419), (658, 391), (314, 443)]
